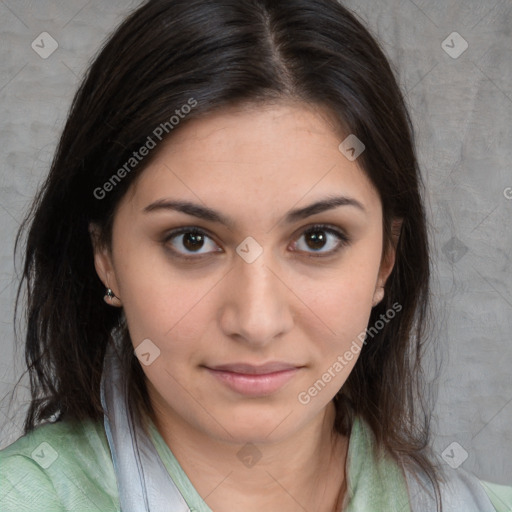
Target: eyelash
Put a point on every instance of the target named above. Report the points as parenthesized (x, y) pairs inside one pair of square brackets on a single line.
[(344, 240)]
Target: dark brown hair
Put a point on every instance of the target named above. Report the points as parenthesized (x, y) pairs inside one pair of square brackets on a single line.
[(223, 53)]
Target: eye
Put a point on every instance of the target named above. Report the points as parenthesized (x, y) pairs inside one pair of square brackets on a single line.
[(188, 241), (320, 236), (192, 240)]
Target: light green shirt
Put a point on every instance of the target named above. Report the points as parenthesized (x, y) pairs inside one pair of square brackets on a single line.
[(67, 466)]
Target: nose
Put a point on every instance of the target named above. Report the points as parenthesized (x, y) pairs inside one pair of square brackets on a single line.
[(257, 303)]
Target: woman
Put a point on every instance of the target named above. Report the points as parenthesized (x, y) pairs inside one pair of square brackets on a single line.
[(238, 181)]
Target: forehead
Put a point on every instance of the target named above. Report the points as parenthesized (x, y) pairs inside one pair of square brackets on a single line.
[(263, 132), (254, 157)]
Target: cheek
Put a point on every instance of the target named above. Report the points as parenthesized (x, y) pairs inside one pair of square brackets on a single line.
[(165, 309), (169, 312), (155, 293), (339, 305), (344, 312)]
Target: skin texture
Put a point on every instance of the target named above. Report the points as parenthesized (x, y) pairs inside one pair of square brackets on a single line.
[(252, 165)]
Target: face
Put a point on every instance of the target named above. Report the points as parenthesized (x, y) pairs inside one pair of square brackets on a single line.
[(244, 300)]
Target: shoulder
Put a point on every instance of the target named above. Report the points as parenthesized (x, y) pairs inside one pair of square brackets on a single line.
[(464, 488), (500, 495), (59, 466), (460, 490)]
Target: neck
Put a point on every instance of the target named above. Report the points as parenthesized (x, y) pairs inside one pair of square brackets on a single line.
[(305, 471)]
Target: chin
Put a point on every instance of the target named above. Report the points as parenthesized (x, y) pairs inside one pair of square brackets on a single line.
[(259, 423)]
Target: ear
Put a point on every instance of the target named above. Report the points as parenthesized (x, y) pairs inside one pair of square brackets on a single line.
[(388, 261), (104, 265)]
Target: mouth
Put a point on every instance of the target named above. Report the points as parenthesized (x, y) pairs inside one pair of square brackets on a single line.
[(254, 380), (250, 369)]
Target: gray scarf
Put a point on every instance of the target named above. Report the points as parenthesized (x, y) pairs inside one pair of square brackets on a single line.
[(143, 482)]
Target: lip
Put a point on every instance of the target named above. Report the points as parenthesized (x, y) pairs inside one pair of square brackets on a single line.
[(252, 369), (254, 380)]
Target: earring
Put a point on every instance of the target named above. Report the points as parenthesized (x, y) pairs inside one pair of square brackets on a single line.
[(378, 296), (110, 298)]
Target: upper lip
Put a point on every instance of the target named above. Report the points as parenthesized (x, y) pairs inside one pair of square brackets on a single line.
[(250, 369)]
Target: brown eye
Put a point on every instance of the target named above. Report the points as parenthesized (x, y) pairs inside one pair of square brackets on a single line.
[(186, 241), (319, 237), (193, 241), (316, 239)]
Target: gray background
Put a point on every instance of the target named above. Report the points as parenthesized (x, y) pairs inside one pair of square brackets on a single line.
[(462, 110)]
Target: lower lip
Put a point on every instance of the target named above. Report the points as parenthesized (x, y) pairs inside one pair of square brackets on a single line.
[(254, 385)]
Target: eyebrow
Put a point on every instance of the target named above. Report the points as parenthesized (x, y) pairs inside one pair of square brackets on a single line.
[(205, 213)]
